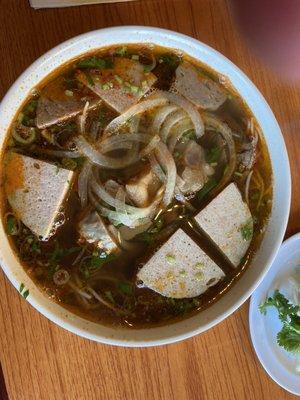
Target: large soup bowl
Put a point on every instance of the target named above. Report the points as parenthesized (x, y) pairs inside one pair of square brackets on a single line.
[(276, 226)]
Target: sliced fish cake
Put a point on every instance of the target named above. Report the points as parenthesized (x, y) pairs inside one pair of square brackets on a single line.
[(121, 86), (200, 90), (50, 112), (180, 269), (227, 220), (36, 191)]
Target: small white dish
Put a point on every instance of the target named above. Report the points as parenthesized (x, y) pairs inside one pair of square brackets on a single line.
[(278, 363)]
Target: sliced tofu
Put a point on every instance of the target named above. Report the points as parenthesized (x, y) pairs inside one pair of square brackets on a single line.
[(121, 86), (180, 269), (142, 189), (50, 112), (93, 230), (36, 191), (227, 220), (201, 91)]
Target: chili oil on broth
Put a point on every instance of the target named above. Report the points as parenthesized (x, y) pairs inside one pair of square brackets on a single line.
[(115, 280)]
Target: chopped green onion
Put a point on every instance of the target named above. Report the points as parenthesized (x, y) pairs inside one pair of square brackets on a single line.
[(247, 230), (199, 276), (69, 93), (238, 174), (22, 286), (121, 51), (148, 68), (134, 89), (171, 259), (26, 294), (118, 79)]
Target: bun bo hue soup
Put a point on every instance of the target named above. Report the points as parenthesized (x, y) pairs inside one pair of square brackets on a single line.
[(136, 186)]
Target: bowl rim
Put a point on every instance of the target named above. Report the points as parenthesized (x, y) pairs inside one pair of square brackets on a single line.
[(157, 36)]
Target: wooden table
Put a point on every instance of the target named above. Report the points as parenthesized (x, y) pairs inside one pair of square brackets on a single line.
[(42, 361)]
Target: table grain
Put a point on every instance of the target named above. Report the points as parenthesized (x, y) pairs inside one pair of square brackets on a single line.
[(42, 361)]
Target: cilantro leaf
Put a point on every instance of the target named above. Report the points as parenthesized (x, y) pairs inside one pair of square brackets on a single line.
[(92, 62), (289, 336)]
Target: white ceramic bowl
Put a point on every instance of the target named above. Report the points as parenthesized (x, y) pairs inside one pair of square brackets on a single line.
[(282, 186)]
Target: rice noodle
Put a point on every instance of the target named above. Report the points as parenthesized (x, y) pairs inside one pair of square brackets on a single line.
[(187, 106), (160, 117), (170, 122), (79, 291), (247, 186), (83, 180), (166, 160), (101, 299), (139, 108)]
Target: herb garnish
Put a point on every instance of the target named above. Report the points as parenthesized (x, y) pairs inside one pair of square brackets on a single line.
[(247, 230), (170, 59), (210, 185), (11, 225), (125, 288), (289, 336), (24, 294), (121, 51), (213, 155), (93, 62)]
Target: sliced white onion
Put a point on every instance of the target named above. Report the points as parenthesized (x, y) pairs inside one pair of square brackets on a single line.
[(139, 108), (99, 190), (150, 146), (187, 106), (182, 127), (96, 157), (82, 118), (134, 124), (83, 180), (213, 122), (94, 129), (170, 122), (167, 162), (119, 141), (156, 168), (160, 117)]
